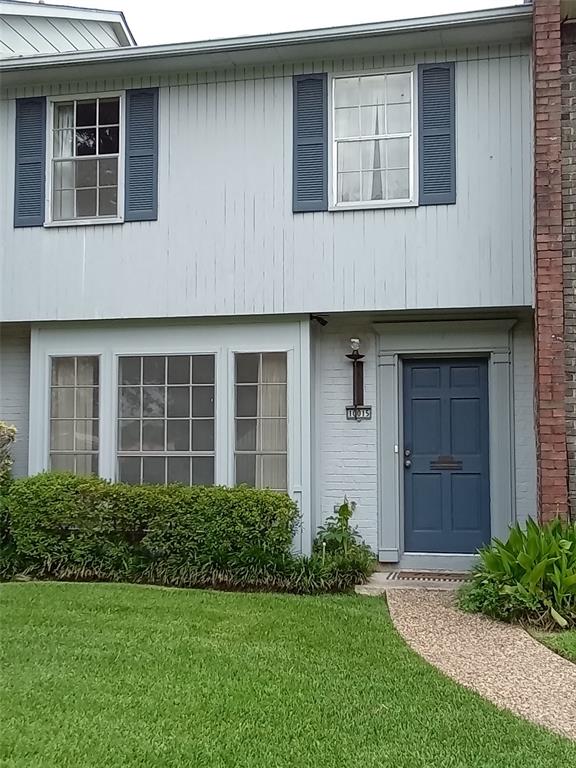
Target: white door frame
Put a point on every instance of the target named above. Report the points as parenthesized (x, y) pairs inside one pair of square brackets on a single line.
[(441, 338)]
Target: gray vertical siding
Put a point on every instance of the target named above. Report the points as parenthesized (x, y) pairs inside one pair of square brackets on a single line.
[(15, 388), (226, 240)]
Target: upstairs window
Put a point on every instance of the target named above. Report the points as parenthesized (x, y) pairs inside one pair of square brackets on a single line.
[(373, 139), (86, 158)]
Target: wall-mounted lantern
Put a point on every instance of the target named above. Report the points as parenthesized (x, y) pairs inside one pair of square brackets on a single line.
[(357, 411), (357, 373)]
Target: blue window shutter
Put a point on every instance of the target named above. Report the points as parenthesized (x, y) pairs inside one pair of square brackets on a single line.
[(141, 182), (310, 153), (437, 134), (30, 176)]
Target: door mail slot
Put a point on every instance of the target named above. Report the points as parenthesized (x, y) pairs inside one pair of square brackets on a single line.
[(446, 462)]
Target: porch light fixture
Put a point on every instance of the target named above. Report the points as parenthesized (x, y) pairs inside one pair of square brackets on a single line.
[(357, 373)]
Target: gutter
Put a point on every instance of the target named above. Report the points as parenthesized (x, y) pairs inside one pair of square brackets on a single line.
[(229, 45)]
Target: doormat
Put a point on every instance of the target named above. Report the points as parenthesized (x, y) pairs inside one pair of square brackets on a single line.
[(439, 576)]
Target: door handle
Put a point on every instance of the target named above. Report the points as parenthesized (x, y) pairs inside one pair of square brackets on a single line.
[(407, 463)]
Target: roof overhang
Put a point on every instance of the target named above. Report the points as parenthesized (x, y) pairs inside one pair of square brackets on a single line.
[(115, 18), (511, 24)]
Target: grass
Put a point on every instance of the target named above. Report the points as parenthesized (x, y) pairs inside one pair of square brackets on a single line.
[(118, 676), (563, 643)]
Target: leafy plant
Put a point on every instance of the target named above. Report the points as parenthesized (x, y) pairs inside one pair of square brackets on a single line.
[(530, 578), (7, 437), (337, 535), (62, 526), (338, 540), (7, 553)]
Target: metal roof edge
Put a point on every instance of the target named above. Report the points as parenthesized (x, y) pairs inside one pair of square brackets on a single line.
[(272, 40), (117, 18)]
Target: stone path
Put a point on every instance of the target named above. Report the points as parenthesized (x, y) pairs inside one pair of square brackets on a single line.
[(499, 661)]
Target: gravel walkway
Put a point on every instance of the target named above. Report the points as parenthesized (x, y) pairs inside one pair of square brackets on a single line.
[(499, 661)]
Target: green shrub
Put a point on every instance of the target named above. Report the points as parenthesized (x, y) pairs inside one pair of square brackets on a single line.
[(342, 544), (530, 578), (62, 526), (7, 437), (284, 573), (66, 526), (7, 553)]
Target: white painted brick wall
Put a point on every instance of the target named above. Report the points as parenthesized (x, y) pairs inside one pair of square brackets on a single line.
[(345, 453), (14, 389), (345, 460), (525, 439)]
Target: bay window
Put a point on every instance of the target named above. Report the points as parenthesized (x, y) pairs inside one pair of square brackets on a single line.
[(161, 425)]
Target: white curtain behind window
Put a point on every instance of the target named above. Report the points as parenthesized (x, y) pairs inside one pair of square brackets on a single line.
[(63, 170), (271, 436), (63, 130)]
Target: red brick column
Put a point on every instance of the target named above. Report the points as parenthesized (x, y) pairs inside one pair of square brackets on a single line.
[(569, 236), (549, 363)]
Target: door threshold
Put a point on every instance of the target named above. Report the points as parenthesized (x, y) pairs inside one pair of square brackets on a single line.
[(437, 561)]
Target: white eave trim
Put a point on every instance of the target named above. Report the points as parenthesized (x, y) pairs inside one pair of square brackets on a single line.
[(229, 45)]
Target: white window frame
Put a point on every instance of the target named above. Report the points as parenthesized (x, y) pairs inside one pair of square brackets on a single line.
[(48, 386), (412, 200), (290, 392), (95, 220)]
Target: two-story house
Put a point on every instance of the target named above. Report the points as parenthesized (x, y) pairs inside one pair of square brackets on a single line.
[(196, 237)]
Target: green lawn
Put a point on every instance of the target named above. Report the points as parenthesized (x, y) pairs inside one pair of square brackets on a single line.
[(563, 643), (114, 676)]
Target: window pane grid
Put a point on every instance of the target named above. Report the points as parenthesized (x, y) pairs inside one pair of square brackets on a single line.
[(166, 419), (85, 158), (261, 452), (74, 419), (373, 136)]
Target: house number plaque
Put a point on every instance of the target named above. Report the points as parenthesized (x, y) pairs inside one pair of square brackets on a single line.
[(358, 412)]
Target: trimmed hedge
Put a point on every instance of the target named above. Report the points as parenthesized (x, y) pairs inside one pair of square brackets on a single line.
[(61, 526)]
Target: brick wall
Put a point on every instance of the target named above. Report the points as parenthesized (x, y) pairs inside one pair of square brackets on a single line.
[(569, 243), (345, 452), (549, 316)]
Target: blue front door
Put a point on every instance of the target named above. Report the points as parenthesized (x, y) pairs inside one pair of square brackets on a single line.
[(445, 457)]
